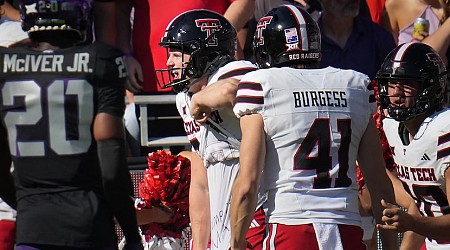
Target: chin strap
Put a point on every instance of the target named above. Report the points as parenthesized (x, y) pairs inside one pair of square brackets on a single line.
[(215, 64)]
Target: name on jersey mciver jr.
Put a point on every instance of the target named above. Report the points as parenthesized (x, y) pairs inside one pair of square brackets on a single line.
[(46, 63)]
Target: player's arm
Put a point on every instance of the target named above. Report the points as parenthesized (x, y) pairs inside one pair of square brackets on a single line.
[(220, 94), (410, 240), (245, 189), (124, 31), (108, 130), (440, 40), (105, 21), (199, 209), (238, 13), (109, 134), (7, 190), (389, 20), (402, 197), (373, 169), (432, 227)]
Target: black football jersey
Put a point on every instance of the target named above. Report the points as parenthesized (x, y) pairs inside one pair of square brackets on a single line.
[(48, 102)]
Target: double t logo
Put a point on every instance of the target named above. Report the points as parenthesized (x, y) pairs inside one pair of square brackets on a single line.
[(262, 24), (209, 26)]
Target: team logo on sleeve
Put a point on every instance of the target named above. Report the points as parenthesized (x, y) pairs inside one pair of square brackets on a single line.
[(209, 26), (262, 25)]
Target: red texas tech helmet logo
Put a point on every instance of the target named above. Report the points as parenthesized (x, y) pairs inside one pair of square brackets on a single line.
[(209, 26), (262, 24)]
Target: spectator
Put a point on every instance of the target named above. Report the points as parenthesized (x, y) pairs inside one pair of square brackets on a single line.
[(400, 16), (346, 37), (62, 128), (263, 6), (196, 60), (412, 82), (280, 119)]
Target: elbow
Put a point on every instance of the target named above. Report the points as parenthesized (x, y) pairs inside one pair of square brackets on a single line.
[(229, 91)]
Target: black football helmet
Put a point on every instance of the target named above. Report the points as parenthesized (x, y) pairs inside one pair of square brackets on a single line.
[(207, 37), (286, 34), (56, 19), (416, 62)]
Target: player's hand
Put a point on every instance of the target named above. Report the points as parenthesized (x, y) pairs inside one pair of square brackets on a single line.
[(135, 75), (395, 219), (198, 112)]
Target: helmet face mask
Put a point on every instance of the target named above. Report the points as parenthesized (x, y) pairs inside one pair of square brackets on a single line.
[(176, 76), (46, 20), (413, 105), (286, 34), (207, 37), (413, 62)]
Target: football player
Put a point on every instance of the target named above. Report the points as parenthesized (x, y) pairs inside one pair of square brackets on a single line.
[(303, 129), (61, 108), (413, 91), (200, 47)]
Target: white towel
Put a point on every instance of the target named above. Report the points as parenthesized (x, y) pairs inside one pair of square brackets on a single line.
[(328, 236)]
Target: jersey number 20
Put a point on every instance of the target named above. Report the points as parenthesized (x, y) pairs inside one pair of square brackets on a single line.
[(33, 111)]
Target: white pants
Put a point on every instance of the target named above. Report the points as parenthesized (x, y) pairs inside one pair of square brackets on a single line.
[(221, 177)]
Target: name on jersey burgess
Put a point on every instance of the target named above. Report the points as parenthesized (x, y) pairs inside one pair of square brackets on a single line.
[(45, 63), (324, 98)]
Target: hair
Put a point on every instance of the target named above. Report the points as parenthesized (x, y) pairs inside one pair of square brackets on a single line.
[(445, 4)]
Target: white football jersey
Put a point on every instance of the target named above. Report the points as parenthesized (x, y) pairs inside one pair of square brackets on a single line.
[(314, 120), (220, 157), (422, 163), (210, 145)]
